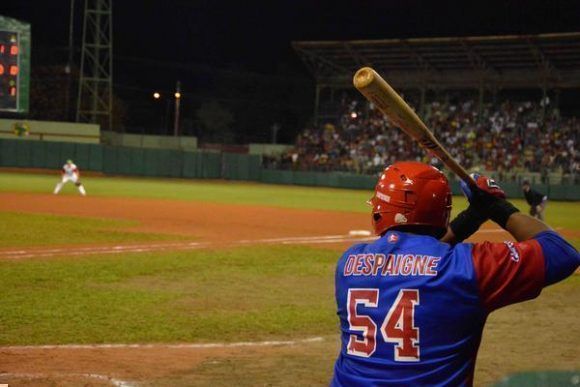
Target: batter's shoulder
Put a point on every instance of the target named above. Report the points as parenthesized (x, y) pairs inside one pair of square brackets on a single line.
[(461, 249)]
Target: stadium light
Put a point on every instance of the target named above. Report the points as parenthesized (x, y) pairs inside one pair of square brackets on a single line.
[(177, 95), (156, 95), (353, 115)]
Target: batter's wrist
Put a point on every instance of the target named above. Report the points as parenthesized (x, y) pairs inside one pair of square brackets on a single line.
[(466, 223), (500, 211)]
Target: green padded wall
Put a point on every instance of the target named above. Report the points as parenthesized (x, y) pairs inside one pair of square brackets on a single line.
[(132, 161), (240, 166)]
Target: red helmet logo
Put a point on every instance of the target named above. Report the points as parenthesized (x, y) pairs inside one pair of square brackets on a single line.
[(411, 194)]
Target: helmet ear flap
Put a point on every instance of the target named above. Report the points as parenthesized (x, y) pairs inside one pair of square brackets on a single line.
[(379, 223)]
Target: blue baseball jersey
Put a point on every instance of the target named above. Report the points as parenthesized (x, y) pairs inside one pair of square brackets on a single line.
[(412, 309)]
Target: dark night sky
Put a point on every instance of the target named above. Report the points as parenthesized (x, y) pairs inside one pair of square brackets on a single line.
[(156, 40), (256, 35)]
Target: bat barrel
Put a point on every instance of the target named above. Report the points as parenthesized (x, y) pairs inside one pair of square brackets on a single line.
[(364, 77), (388, 101)]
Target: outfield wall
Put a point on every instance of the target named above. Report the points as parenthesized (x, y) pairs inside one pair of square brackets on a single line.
[(268, 149), (186, 143), (118, 160)]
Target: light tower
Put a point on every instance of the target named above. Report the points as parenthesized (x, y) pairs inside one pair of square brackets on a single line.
[(95, 93)]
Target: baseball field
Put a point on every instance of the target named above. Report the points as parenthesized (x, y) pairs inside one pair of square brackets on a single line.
[(195, 282)]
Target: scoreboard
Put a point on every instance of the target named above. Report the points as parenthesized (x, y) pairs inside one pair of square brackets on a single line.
[(14, 65), (9, 66)]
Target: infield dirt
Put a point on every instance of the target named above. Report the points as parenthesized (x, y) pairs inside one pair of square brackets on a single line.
[(213, 223)]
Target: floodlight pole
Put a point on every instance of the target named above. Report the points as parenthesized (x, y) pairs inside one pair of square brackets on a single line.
[(95, 92), (68, 68)]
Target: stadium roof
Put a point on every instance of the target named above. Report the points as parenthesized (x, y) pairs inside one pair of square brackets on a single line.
[(511, 61)]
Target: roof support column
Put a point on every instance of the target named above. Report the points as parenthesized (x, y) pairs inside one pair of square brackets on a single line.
[(480, 101), (544, 101), (423, 91), (316, 104)]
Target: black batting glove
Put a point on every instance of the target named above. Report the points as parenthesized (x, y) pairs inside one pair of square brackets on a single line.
[(488, 200), (466, 223)]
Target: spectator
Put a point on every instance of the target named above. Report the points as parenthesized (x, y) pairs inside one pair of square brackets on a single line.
[(509, 137)]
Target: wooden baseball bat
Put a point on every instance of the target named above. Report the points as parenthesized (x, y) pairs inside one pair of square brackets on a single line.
[(380, 93)]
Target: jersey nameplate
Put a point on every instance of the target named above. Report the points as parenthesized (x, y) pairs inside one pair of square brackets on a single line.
[(391, 265)]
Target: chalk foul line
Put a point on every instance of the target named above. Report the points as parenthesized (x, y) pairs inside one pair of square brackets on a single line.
[(119, 248), (351, 237), (268, 343), (124, 383), (144, 248), (114, 381)]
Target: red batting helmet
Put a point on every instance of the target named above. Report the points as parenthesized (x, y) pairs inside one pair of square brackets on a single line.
[(411, 194)]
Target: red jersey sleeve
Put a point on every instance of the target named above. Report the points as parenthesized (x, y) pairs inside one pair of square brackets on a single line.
[(508, 272)]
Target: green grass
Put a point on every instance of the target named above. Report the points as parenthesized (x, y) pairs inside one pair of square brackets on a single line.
[(198, 190), (243, 294), (251, 293), (20, 229)]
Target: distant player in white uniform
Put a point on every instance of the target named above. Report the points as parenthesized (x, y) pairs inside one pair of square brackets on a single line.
[(70, 172)]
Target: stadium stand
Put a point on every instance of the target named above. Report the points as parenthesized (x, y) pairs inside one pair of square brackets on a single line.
[(508, 137), (453, 83)]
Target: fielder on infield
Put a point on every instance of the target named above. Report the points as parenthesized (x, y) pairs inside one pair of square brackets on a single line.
[(70, 172)]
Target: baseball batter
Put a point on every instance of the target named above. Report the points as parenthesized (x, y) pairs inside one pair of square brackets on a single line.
[(413, 304), (70, 172)]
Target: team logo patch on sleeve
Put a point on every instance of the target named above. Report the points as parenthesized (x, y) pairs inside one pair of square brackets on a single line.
[(393, 238), (514, 255)]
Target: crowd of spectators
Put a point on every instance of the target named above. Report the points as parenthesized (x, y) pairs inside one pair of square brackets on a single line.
[(506, 137)]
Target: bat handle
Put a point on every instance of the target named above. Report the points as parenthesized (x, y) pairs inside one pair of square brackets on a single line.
[(469, 180), (452, 164)]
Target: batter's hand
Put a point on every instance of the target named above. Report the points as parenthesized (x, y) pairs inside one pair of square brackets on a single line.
[(488, 200), (468, 221), (485, 184)]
